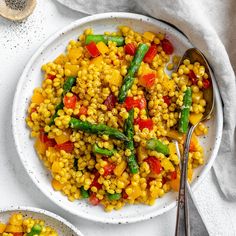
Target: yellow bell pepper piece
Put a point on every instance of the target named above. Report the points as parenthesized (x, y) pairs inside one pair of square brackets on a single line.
[(2, 227), (71, 70), (56, 168), (40, 147), (133, 192), (116, 78), (74, 53), (57, 186), (14, 229), (16, 219), (167, 165), (141, 153), (37, 98), (120, 168), (64, 137), (61, 60), (149, 36), (97, 60), (102, 47), (175, 135), (172, 148), (195, 118), (175, 183)]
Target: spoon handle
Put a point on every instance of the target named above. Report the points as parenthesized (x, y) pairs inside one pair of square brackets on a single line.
[(182, 221)]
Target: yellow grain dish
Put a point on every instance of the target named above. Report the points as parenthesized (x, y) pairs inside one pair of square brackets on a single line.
[(18, 225), (81, 117)]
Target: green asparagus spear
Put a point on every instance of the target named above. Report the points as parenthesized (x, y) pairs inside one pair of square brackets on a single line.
[(99, 129), (155, 144), (184, 118), (69, 83), (103, 151), (133, 68), (84, 193), (105, 38), (36, 230), (113, 197), (129, 132)]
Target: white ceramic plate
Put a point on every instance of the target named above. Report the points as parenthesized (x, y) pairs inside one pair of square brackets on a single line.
[(62, 226), (32, 77)]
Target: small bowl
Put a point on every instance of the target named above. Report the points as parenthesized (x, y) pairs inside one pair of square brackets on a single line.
[(62, 226)]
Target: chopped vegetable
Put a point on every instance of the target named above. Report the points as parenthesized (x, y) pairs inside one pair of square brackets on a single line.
[(36, 230), (167, 46), (99, 129), (148, 123), (37, 98), (147, 80), (130, 103), (102, 47), (192, 77), (113, 197), (94, 200), (130, 49), (110, 101), (184, 118), (206, 83), (92, 49), (167, 100), (134, 66), (195, 118), (105, 39), (149, 36), (151, 53), (84, 193), (95, 182), (154, 165), (155, 144), (129, 132), (103, 151), (70, 102), (51, 77), (67, 146), (108, 169)]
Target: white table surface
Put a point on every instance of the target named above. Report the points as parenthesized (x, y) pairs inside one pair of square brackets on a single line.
[(17, 43)]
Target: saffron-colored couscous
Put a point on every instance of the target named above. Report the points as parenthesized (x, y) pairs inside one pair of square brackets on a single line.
[(107, 112), (18, 225)]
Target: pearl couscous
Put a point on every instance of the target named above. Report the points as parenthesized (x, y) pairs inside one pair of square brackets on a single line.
[(18, 225), (107, 112)]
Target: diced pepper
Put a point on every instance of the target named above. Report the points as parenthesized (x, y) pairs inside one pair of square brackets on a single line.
[(61, 60), (108, 169), (70, 102), (56, 168), (147, 80), (74, 53), (175, 183), (95, 182), (51, 77), (130, 49), (124, 195), (195, 118), (64, 137), (18, 234), (175, 135), (110, 101), (148, 123), (173, 174), (2, 227), (167, 46), (116, 78), (114, 197), (167, 165), (40, 147), (151, 53), (130, 103), (120, 168), (92, 49), (94, 200), (206, 83), (83, 110), (37, 98), (67, 146), (47, 141), (167, 100), (154, 164), (192, 77), (57, 186), (149, 36), (102, 47), (96, 60), (172, 148), (135, 193), (14, 229), (15, 219), (71, 70)]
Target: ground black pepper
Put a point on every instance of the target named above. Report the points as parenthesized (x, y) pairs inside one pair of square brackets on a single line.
[(16, 4)]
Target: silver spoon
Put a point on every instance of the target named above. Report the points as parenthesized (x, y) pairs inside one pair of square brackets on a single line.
[(16, 15), (182, 221)]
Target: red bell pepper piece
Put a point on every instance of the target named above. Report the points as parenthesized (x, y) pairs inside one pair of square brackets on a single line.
[(147, 80), (95, 182), (124, 195), (93, 199), (192, 77), (70, 102), (83, 110), (167, 100), (44, 139), (92, 49), (110, 102), (67, 146), (154, 164), (51, 77), (148, 123), (206, 83), (167, 46), (130, 103), (151, 53), (108, 169), (130, 49), (173, 174), (18, 234)]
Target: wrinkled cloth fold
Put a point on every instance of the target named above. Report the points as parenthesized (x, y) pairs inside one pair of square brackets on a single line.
[(208, 24)]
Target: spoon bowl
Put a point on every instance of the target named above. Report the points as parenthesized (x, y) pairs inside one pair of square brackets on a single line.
[(14, 14)]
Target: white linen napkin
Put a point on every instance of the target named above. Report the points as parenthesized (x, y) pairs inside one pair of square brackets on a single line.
[(200, 21)]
